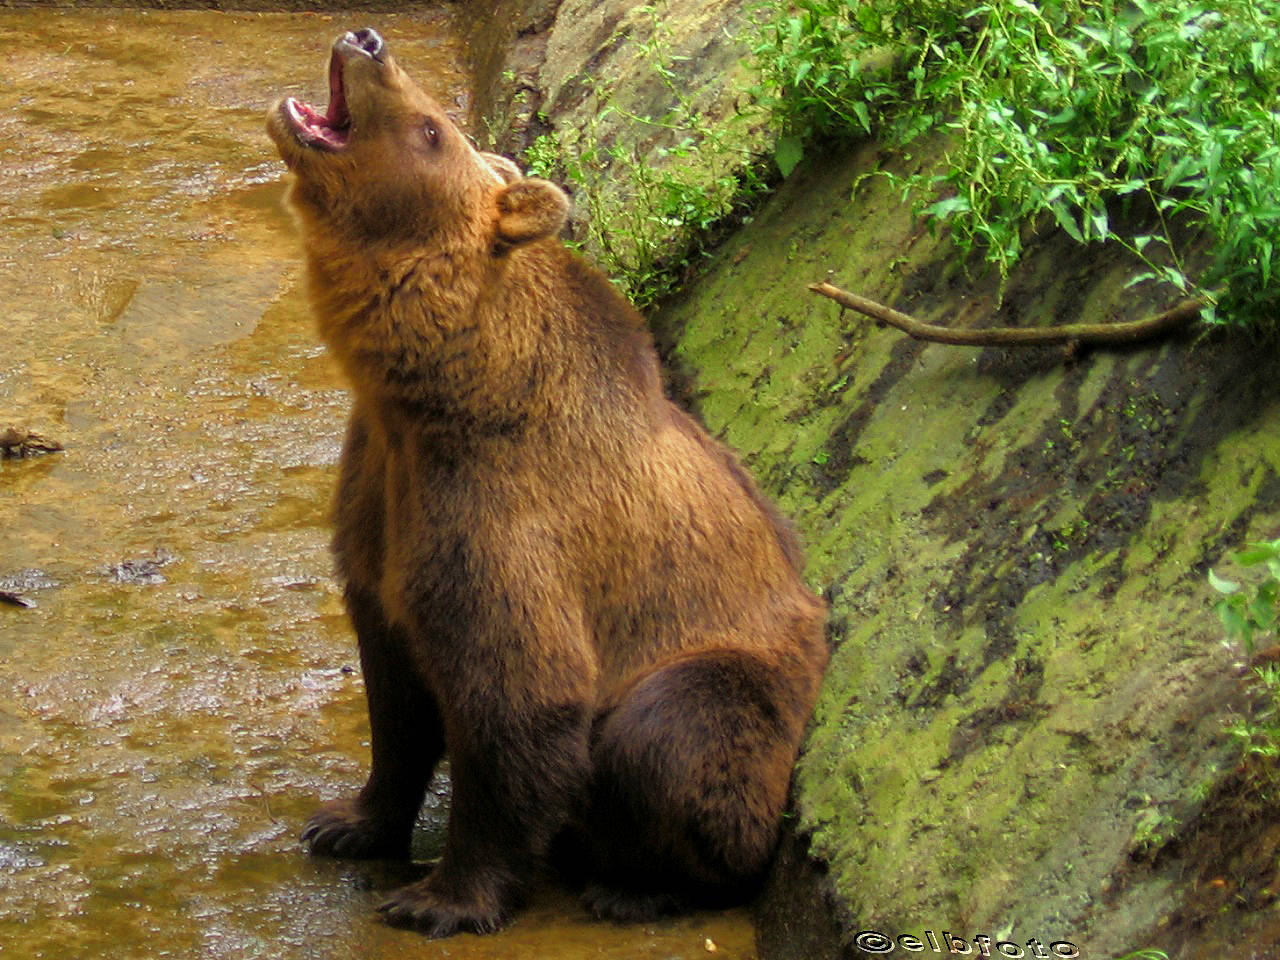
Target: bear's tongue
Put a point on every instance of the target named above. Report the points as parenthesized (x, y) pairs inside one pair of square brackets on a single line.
[(331, 128)]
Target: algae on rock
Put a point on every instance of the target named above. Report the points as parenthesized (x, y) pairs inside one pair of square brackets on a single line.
[(641, 110), (1026, 680)]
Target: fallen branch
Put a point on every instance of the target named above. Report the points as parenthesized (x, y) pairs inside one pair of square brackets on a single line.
[(1132, 331)]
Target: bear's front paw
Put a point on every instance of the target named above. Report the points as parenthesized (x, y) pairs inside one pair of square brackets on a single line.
[(421, 907), (342, 829)]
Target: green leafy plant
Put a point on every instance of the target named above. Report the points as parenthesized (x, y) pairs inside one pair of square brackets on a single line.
[(1085, 114), (1153, 831), (1248, 614)]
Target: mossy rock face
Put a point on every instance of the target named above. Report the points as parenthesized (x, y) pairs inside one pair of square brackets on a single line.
[(553, 66), (605, 51), (1023, 715), (505, 43), (641, 110)]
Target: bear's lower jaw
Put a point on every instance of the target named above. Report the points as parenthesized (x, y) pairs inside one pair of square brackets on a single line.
[(313, 129)]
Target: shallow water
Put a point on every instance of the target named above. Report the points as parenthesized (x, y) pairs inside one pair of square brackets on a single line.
[(183, 692)]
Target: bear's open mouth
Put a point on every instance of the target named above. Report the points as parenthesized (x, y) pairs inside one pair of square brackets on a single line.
[(329, 130)]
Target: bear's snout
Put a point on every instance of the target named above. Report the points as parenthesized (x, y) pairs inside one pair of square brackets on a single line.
[(367, 42)]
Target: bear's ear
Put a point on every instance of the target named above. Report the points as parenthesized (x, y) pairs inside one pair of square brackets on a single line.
[(529, 210), (506, 169)]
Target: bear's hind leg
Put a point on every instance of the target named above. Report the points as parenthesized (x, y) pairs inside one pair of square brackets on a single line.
[(690, 772), (406, 741)]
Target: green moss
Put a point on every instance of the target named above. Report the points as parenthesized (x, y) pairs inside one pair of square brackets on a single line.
[(1012, 544)]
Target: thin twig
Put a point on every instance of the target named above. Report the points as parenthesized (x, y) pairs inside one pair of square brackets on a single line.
[(1093, 334)]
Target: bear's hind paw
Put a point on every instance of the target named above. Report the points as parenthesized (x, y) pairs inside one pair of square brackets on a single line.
[(623, 906)]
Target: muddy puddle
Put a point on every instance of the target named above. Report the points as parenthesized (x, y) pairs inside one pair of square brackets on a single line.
[(183, 690)]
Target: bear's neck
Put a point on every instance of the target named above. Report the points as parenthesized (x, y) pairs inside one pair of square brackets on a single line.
[(456, 343)]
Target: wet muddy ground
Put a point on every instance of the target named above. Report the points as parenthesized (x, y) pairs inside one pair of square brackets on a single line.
[(183, 690)]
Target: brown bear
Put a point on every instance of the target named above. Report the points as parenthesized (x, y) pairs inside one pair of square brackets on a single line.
[(555, 576)]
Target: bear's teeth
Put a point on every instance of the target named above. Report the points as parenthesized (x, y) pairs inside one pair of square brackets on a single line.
[(313, 127)]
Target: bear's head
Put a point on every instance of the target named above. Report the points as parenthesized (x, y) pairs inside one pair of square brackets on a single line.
[(385, 164)]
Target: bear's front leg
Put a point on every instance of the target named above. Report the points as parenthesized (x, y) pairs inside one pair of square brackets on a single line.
[(515, 778), (406, 743)]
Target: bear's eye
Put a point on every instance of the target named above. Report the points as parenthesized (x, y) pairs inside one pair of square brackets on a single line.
[(432, 133)]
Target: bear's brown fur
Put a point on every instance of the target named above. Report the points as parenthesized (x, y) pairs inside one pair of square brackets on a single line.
[(554, 574)]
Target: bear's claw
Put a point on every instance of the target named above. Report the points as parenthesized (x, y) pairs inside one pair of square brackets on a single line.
[(418, 907), (342, 829)]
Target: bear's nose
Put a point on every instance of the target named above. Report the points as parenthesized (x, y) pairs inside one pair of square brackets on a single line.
[(367, 40)]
